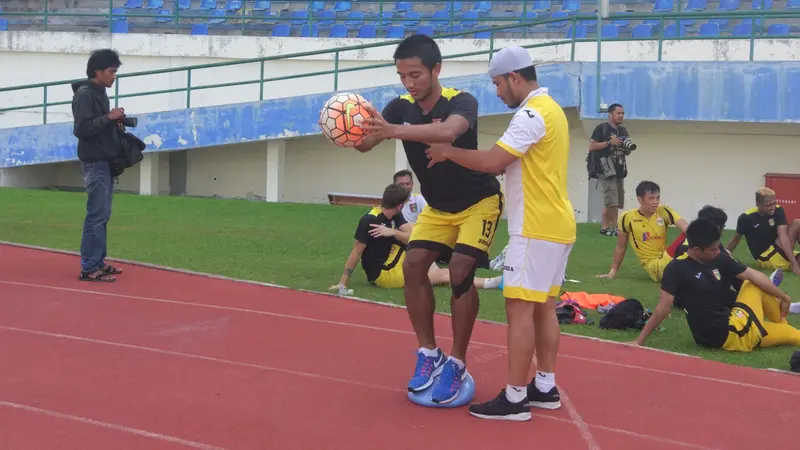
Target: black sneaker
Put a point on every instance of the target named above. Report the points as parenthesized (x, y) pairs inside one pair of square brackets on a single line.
[(499, 408), (539, 399)]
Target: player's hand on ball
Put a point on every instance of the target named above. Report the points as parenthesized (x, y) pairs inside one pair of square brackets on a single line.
[(437, 153), (377, 125)]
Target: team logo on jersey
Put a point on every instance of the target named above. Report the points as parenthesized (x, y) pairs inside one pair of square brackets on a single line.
[(412, 207), (771, 222), (716, 274), (660, 222), (738, 313)]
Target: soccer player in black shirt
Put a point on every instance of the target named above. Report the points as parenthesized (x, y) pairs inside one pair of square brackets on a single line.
[(757, 316), (463, 211), (769, 237)]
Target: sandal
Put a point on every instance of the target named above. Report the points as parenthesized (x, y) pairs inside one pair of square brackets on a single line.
[(109, 269), (97, 276)]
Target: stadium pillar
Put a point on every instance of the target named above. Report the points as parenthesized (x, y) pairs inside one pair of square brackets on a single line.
[(400, 160), (276, 161), (150, 173)]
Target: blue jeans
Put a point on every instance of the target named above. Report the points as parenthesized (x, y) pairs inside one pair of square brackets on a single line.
[(100, 191)]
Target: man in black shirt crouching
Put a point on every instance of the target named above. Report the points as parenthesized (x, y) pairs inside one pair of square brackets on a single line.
[(757, 316)]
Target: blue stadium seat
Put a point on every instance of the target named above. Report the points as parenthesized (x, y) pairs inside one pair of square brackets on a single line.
[(184, 4), (709, 29), (610, 31), (426, 30), (155, 3), (412, 19), (116, 11), (164, 16), (742, 30), (339, 31), (326, 18), (440, 19), (342, 6), (133, 4), (299, 17), (642, 31), (482, 34), (316, 6), (367, 32), (355, 19), (200, 29), (281, 30), (208, 4), (542, 5), (571, 5), (663, 6), (469, 19), (218, 16), (621, 22), (792, 4), (402, 6), (579, 32), (558, 15), (262, 5), (309, 30), (233, 5), (671, 30), (696, 5), (455, 6), (778, 29), (395, 32), (116, 27), (482, 7), (728, 5), (761, 5)]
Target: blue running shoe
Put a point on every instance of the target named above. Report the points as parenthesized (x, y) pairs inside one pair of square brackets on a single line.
[(428, 368), (447, 386), (776, 277)]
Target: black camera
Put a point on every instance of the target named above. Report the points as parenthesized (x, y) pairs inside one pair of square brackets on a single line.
[(626, 144), (133, 121)]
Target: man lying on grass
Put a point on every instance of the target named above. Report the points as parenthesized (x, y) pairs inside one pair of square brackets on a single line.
[(716, 318)]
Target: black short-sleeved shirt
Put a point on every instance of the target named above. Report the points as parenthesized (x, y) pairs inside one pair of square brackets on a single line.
[(373, 259), (730, 283), (446, 186), (704, 290), (760, 231)]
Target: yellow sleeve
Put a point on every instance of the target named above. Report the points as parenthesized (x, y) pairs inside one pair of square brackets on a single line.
[(624, 222), (669, 215)]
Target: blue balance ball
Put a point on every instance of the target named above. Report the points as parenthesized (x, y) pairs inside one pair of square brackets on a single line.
[(465, 395)]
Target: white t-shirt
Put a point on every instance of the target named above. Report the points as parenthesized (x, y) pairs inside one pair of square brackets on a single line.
[(413, 207)]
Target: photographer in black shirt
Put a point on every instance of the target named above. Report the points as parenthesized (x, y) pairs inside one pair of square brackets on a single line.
[(608, 148)]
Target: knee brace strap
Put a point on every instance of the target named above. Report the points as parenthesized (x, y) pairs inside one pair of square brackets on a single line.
[(463, 287)]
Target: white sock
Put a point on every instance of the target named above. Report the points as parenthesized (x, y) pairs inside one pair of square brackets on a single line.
[(492, 283), (545, 381), (794, 308), (458, 362), (428, 352), (516, 394)]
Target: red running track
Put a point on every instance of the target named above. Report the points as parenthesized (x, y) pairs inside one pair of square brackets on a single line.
[(166, 360)]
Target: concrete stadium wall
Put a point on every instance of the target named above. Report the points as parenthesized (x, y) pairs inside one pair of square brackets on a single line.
[(54, 56)]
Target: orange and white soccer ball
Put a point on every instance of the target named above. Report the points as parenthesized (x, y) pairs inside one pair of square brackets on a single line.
[(341, 118)]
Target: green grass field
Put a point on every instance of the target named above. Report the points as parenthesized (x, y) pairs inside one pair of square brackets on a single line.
[(305, 246)]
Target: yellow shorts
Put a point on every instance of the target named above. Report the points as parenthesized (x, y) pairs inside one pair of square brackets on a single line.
[(391, 276), (470, 231), (755, 321), (655, 267), (772, 259)]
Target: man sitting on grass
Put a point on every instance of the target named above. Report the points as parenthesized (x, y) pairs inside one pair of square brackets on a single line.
[(380, 244), (717, 317), (645, 227)]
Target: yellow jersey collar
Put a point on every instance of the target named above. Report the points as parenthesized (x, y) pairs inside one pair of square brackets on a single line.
[(534, 93)]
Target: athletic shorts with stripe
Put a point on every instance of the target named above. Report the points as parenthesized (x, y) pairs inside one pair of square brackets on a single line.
[(534, 269)]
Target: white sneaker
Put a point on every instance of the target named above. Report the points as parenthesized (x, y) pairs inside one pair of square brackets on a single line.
[(498, 261)]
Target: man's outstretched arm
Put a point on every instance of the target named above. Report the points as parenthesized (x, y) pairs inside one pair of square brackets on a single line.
[(661, 313)]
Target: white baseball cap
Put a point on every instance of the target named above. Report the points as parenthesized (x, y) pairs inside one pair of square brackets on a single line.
[(508, 60)]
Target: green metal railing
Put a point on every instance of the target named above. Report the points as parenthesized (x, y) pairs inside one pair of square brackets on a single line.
[(337, 71)]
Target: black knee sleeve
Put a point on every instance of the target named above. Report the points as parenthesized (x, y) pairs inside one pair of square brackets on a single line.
[(463, 287)]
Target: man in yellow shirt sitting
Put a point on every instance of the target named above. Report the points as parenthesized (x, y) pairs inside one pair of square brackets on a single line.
[(645, 227)]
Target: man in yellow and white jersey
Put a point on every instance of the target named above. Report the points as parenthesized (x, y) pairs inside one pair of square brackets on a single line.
[(645, 227), (534, 152)]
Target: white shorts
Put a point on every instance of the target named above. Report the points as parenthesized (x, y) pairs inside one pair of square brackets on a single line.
[(534, 269)]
